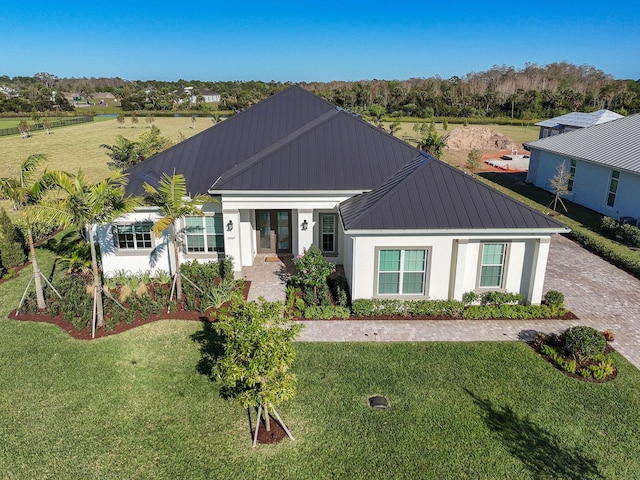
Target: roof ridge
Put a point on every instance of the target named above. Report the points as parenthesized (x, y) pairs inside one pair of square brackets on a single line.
[(373, 197), (256, 157)]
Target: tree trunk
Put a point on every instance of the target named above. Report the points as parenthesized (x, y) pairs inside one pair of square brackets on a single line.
[(37, 280), (97, 283), (176, 252), (267, 422)]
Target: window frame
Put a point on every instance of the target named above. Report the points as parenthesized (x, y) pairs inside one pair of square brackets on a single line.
[(321, 233), (572, 174), (612, 194), (204, 234), (401, 272), (504, 265), (135, 240)]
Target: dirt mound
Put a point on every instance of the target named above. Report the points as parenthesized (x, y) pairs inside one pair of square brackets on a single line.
[(483, 138)]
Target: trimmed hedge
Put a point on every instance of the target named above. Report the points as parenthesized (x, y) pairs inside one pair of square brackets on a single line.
[(326, 312), (617, 255)]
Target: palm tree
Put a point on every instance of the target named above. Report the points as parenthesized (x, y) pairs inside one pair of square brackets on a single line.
[(84, 205), (24, 191), (172, 199)]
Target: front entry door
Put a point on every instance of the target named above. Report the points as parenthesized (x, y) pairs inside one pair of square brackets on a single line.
[(273, 231)]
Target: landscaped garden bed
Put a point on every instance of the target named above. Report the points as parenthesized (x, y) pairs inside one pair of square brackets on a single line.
[(580, 352), (134, 300)]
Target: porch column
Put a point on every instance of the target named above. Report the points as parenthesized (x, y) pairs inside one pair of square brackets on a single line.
[(232, 237), (305, 227), (538, 269)]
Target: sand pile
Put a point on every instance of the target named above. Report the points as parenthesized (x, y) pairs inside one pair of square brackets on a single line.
[(480, 137)]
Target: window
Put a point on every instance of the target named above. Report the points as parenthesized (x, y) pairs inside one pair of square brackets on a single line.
[(328, 232), (613, 187), (204, 234), (572, 174), (132, 236), (492, 268), (401, 272)]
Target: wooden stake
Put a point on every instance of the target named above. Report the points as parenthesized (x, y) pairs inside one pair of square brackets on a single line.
[(255, 433)]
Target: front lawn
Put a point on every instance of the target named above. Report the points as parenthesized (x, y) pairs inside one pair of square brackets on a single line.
[(135, 405)]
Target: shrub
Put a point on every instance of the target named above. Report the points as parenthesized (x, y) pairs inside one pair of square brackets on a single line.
[(326, 312), (553, 298), (583, 341), (76, 305), (608, 335), (312, 270), (470, 297), (339, 288), (12, 245), (363, 307)]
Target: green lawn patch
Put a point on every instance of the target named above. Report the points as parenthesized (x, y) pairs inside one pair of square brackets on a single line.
[(136, 405)]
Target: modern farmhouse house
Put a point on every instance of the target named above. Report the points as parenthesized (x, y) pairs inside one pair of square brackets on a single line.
[(603, 164), (295, 171)]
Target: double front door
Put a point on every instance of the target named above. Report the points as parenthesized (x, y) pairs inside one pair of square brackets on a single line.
[(273, 231)]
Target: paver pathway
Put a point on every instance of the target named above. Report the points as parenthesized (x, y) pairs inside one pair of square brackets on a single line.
[(600, 294)]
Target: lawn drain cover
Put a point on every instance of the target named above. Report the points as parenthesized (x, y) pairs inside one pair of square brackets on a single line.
[(378, 401)]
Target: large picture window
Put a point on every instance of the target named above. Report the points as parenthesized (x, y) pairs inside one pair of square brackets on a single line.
[(328, 232), (492, 268), (401, 272), (132, 236), (613, 188), (204, 234)]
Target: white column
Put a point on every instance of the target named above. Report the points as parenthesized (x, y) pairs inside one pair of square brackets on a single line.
[(305, 227), (538, 268), (458, 266), (232, 237)]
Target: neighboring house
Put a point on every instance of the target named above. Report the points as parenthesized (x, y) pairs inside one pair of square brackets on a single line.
[(573, 121), (603, 163), (295, 171), (208, 96)]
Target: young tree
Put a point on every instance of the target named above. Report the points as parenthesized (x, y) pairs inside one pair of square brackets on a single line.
[(122, 153), (193, 121), (173, 201), (433, 143), (27, 190), (134, 120), (84, 205), (473, 160), (24, 128), (394, 127), (150, 120), (121, 120), (560, 185), (258, 354)]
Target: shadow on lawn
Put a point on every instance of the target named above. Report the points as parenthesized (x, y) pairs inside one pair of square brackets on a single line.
[(211, 348), (539, 450)]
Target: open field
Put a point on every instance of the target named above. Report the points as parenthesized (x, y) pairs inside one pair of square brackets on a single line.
[(78, 146)]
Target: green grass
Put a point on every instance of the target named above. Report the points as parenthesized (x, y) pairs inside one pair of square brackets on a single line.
[(136, 406), (78, 146)]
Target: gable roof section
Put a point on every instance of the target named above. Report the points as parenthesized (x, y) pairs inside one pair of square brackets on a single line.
[(614, 144), (428, 194), (580, 119), (206, 156)]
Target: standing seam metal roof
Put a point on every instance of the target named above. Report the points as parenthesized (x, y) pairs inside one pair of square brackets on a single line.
[(614, 144)]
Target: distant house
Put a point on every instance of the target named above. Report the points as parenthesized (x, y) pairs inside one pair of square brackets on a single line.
[(193, 94), (295, 171), (573, 121), (603, 163)]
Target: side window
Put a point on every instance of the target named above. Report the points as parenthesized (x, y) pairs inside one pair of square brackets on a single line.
[(328, 232), (492, 266), (135, 236)]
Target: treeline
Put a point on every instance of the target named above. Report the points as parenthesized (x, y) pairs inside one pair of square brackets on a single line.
[(502, 91)]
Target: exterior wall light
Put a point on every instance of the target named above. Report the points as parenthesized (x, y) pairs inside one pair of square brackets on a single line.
[(230, 226), (304, 225)]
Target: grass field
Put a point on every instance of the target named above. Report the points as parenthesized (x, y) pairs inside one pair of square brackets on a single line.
[(138, 406), (78, 146)]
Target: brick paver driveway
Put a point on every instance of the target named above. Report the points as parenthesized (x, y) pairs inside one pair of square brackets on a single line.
[(600, 294)]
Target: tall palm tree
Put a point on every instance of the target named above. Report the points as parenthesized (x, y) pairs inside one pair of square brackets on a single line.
[(84, 205), (23, 191), (174, 202)]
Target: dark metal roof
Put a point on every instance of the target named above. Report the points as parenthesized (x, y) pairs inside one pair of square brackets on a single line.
[(206, 156), (428, 194)]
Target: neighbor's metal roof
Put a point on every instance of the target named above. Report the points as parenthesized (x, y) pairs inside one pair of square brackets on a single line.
[(580, 119), (614, 144)]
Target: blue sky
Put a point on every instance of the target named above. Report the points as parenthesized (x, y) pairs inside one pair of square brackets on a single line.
[(312, 41)]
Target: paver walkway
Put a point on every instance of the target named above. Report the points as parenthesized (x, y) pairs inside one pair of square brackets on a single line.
[(600, 294)]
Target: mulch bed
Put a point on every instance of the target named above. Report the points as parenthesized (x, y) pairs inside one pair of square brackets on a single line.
[(276, 434), (85, 334)]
